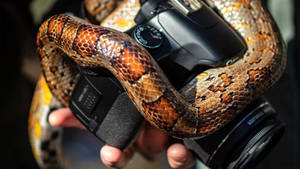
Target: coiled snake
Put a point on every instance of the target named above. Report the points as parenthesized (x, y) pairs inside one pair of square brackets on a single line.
[(218, 93)]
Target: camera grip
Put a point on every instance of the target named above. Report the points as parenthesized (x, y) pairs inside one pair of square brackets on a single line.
[(105, 109)]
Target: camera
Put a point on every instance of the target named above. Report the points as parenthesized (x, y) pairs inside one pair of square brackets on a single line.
[(184, 41)]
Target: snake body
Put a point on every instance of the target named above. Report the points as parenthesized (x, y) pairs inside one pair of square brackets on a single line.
[(206, 104)]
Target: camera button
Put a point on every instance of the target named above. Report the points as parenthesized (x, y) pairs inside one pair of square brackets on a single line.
[(148, 36)]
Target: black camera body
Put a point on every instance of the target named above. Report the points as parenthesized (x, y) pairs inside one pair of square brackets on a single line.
[(184, 42)]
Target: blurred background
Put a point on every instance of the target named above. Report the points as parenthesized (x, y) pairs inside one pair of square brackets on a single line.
[(20, 71)]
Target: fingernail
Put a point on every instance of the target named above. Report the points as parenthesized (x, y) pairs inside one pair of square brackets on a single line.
[(113, 158), (180, 159), (52, 119), (126, 156)]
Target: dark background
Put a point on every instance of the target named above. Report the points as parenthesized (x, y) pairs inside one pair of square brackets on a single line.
[(19, 67)]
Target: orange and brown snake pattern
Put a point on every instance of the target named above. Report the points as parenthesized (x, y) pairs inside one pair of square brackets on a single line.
[(218, 93)]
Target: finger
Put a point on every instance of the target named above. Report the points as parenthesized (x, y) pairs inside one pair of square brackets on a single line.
[(151, 143), (64, 117), (115, 158), (180, 157)]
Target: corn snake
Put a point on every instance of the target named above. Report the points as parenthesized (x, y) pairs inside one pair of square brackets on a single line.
[(219, 94)]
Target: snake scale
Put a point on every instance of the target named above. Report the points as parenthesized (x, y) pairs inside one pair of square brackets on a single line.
[(219, 93), (207, 103)]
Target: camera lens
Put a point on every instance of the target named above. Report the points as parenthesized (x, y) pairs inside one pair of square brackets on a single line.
[(242, 143), (257, 145)]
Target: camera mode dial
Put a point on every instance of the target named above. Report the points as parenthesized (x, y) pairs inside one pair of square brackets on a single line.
[(148, 36)]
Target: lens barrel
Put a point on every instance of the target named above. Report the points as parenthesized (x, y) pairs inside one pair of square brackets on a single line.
[(243, 142)]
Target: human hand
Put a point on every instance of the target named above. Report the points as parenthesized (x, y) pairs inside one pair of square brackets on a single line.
[(149, 148)]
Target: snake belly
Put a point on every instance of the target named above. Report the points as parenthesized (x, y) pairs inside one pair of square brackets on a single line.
[(207, 103)]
